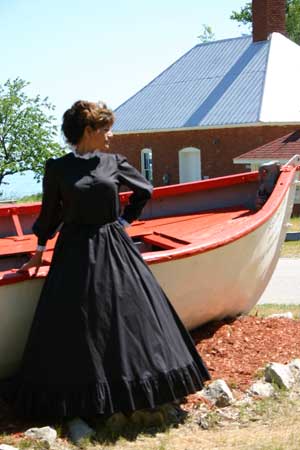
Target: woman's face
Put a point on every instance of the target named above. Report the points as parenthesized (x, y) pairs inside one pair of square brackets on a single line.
[(99, 138)]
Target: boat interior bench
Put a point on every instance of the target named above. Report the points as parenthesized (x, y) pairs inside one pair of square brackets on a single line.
[(15, 245), (177, 231), (155, 234)]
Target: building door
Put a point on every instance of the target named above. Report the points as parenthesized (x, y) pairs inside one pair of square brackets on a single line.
[(189, 164)]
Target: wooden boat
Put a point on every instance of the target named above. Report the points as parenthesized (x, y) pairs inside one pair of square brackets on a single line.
[(209, 246)]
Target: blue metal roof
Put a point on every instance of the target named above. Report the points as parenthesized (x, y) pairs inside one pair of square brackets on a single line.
[(216, 83)]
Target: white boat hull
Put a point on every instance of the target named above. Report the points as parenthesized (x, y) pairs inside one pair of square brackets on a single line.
[(228, 280), (203, 285), (17, 305)]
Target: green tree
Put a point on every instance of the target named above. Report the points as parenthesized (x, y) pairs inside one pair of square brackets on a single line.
[(293, 20), (207, 34), (244, 17), (27, 131)]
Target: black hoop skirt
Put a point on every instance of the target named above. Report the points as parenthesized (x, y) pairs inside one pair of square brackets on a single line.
[(105, 337)]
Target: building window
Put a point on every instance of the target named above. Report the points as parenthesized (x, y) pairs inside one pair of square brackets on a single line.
[(146, 164)]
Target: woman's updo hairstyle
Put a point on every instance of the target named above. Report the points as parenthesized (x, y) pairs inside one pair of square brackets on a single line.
[(82, 114)]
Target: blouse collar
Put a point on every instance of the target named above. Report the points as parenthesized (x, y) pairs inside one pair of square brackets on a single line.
[(87, 155)]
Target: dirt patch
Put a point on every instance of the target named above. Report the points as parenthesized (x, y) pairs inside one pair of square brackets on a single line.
[(237, 350)]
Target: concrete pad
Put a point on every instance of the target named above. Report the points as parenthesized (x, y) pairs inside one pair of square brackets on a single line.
[(284, 286)]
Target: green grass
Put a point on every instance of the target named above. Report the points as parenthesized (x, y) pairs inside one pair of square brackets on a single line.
[(30, 198), (268, 309), (290, 249), (25, 199), (295, 223)]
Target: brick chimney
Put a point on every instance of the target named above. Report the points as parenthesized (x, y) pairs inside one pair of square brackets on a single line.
[(268, 16)]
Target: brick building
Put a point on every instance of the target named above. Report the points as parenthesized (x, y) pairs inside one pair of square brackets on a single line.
[(218, 101), (281, 150)]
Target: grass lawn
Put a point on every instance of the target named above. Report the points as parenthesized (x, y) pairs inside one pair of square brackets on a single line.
[(290, 249), (30, 198), (295, 224), (268, 309)]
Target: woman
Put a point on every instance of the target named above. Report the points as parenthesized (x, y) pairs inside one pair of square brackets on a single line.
[(104, 338)]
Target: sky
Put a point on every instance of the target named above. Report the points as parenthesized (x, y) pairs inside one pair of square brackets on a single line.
[(99, 50), (96, 50)]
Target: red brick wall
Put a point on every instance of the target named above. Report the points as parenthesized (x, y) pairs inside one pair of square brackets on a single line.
[(268, 16), (218, 148)]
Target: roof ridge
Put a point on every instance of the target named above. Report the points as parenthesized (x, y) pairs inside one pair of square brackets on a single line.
[(247, 36)]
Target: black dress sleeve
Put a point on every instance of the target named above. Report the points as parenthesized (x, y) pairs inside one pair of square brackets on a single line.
[(141, 187), (50, 216)]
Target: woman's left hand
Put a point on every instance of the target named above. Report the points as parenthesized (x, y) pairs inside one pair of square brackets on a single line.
[(35, 261)]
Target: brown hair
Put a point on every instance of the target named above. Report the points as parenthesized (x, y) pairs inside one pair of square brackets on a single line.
[(82, 114)]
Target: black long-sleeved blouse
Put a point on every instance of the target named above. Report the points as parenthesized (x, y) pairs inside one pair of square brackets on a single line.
[(86, 191)]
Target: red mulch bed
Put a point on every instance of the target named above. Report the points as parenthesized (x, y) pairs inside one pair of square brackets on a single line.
[(235, 350)]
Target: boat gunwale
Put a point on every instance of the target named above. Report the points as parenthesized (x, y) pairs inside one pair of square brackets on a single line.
[(284, 181)]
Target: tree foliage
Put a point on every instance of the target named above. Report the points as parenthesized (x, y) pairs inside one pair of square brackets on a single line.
[(27, 131), (293, 20), (244, 17), (207, 34)]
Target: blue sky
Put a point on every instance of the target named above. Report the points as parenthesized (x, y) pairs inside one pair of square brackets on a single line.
[(75, 49)]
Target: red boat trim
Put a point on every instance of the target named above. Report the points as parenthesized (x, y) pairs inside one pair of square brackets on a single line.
[(203, 185), (13, 276), (285, 179), (22, 208), (242, 229), (159, 192)]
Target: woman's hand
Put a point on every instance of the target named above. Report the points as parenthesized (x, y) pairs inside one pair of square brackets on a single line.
[(35, 261)]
